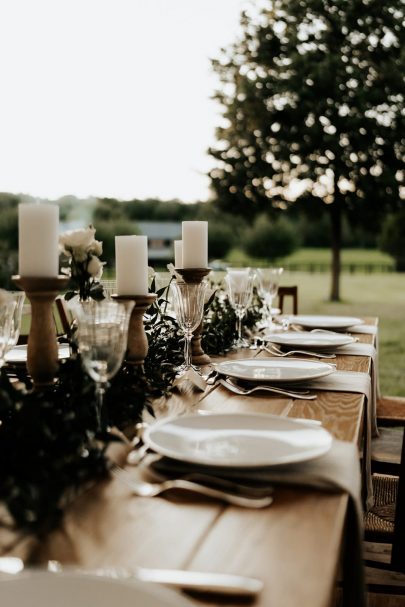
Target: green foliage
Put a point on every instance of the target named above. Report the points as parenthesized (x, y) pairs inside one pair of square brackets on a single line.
[(220, 331), (46, 446), (270, 239), (49, 442), (8, 238), (392, 238), (221, 239), (312, 90)]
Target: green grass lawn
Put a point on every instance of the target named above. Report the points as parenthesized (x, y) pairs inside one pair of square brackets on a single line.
[(308, 256)]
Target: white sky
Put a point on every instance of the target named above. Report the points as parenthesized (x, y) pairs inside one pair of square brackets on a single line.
[(110, 97)]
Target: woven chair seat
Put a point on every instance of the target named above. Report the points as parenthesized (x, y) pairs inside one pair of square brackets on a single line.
[(380, 519)]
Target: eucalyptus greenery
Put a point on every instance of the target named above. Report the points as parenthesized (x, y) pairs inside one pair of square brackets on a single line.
[(220, 320)]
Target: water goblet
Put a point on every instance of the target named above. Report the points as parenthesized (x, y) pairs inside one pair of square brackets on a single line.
[(188, 302), (102, 341), (18, 297), (268, 282), (239, 282), (7, 305)]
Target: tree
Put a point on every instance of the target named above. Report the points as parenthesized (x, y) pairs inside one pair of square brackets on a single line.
[(313, 97), (392, 238), (270, 240)]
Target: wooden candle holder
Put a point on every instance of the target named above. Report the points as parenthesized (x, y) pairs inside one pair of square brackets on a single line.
[(42, 350), (137, 345), (195, 276)]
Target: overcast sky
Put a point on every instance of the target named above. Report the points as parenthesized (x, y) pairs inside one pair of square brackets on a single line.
[(110, 97)]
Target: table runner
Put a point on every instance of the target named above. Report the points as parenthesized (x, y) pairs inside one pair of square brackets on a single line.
[(336, 471)]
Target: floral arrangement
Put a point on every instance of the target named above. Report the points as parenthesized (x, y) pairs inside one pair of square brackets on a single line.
[(85, 268)]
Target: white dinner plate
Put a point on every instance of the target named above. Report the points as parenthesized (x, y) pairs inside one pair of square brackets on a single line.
[(238, 440), (18, 354), (274, 370), (325, 322), (307, 339), (43, 589)]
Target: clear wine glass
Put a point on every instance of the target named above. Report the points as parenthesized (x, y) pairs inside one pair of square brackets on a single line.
[(239, 282), (188, 302), (102, 341), (268, 283), (7, 305), (18, 297)]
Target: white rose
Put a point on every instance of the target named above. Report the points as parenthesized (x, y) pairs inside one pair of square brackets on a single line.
[(95, 267), (96, 248), (77, 239)]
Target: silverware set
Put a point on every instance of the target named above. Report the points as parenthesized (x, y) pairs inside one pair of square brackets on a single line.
[(233, 386), (275, 351), (145, 489)]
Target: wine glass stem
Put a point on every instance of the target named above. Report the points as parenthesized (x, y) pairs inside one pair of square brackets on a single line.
[(239, 326), (269, 314), (187, 350), (100, 391)]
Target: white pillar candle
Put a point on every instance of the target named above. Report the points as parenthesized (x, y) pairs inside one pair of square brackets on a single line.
[(38, 240), (178, 254), (131, 265), (195, 244)]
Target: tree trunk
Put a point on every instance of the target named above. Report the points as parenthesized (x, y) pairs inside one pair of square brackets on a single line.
[(336, 242)]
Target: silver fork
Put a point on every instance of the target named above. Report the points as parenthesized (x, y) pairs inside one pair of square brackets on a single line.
[(275, 351), (144, 489), (237, 389)]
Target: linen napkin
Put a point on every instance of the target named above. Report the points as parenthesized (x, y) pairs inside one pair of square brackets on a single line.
[(358, 382), (363, 329), (359, 349), (337, 471)]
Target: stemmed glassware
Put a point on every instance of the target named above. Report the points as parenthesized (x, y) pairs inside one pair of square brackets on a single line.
[(102, 341), (239, 282), (7, 305), (268, 282), (18, 297), (188, 302)]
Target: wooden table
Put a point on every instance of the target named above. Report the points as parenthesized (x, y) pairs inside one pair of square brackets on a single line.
[(294, 546)]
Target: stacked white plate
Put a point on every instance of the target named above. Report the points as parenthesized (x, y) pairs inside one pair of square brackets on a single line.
[(336, 323), (310, 340)]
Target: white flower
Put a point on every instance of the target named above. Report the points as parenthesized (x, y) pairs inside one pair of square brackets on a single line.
[(95, 267), (78, 238), (96, 248)]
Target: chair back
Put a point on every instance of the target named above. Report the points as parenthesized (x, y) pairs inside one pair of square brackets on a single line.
[(288, 292), (398, 543)]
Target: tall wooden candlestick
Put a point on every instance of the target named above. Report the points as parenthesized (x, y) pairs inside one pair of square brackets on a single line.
[(195, 276), (42, 351), (137, 345)]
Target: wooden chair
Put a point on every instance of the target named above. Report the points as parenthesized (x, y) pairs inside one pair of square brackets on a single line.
[(386, 448), (288, 292), (385, 523)]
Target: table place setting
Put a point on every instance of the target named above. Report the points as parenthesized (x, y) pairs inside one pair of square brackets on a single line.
[(263, 451)]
